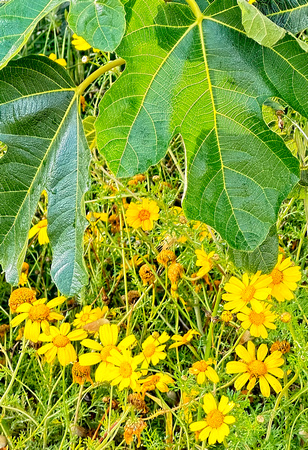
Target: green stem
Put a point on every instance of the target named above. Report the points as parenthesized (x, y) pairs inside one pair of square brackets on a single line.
[(209, 335), (14, 375), (78, 405), (195, 9), (111, 65)]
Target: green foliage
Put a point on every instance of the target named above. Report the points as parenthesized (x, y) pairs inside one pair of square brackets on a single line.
[(100, 23), (258, 26), (17, 16), (289, 14), (47, 149)]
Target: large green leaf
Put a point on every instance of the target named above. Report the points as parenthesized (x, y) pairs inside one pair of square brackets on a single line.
[(289, 14), (17, 21), (47, 149), (101, 23), (258, 26), (263, 258), (207, 80)]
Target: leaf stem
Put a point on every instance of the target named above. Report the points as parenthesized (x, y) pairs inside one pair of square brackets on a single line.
[(195, 9), (83, 86)]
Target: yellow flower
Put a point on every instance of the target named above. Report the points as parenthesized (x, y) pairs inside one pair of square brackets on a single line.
[(257, 322), (59, 344), (285, 317), (24, 274), (142, 214), (175, 272), (122, 370), (158, 381), (108, 337), (226, 316), (254, 369), (60, 61), (203, 370), (153, 350), (240, 293), (204, 261), (146, 274), (41, 229), (38, 316), (183, 340), (80, 43), (215, 425), (203, 230), (20, 296), (86, 315), (81, 374), (285, 276), (94, 217)]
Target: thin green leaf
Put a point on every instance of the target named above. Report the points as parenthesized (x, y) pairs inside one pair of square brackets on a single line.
[(47, 149), (100, 23), (17, 21), (207, 80), (258, 26)]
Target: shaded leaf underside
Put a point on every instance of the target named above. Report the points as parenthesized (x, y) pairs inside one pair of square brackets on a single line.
[(289, 14), (47, 149), (207, 81)]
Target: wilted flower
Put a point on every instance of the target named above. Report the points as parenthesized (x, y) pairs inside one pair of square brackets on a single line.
[(81, 373), (134, 428), (146, 274), (165, 257)]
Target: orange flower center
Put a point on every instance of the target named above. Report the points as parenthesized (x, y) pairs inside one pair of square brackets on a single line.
[(248, 293), (42, 224), (105, 352), (201, 366), (215, 418), (84, 317), (257, 318), (257, 368), (39, 313), (277, 276), (125, 369), (144, 214), (60, 341), (149, 350)]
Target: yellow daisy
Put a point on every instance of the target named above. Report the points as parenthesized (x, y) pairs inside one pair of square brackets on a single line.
[(285, 276), (86, 315), (109, 338), (257, 322), (152, 351), (38, 316), (81, 44), (203, 370), (60, 61), (183, 340), (158, 381), (123, 369), (240, 293), (41, 229), (254, 369), (204, 261), (24, 274), (142, 214), (59, 344), (215, 426)]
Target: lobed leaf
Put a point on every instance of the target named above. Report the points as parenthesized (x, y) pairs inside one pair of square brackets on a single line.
[(18, 19), (47, 149), (101, 23), (207, 80)]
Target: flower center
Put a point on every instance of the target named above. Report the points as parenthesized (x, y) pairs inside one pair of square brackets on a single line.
[(257, 318), (125, 369), (277, 276), (144, 214), (201, 366), (215, 418), (149, 350), (60, 341), (42, 224), (248, 293), (105, 352), (257, 368), (84, 317), (39, 313)]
